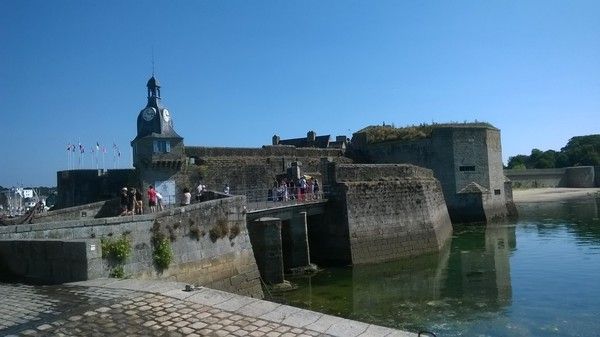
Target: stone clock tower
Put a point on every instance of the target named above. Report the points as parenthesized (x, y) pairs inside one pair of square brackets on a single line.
[(158, 151)]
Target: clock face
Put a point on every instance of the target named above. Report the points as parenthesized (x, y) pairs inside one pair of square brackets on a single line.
[(166, 115), (148, 113)]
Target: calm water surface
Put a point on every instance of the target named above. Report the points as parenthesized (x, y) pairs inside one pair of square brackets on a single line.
[(539, 276)]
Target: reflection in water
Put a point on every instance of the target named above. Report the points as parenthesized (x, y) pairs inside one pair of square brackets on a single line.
[(584, 213), (471, 273), (480, 283)]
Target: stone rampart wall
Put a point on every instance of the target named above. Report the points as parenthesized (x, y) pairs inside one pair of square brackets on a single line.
[(253, 173), (52, 261), (392, 211), (225, 263), (265, 151), (582, 176), (100, 209), (79, 187), (375, 172)]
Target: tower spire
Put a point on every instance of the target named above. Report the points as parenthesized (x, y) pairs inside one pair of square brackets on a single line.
[(152, 60)]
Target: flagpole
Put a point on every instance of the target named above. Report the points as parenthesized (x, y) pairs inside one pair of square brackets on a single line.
[(68, 150)]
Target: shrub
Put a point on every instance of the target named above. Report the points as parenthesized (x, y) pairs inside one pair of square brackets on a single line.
[(116, 249), (117, 272), (163, 255)]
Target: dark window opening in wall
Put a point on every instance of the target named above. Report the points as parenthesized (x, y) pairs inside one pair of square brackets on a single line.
[(162, 146), (497, 192), (466, 168)]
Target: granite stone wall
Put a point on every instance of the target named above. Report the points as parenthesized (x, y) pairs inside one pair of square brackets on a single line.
[(100, 209), (52, 261), (209, 241), (265, 234), (458, 156), (256, 170), (577, 177), (80, 187), (392, 211)]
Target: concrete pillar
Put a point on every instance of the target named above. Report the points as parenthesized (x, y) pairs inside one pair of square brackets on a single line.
[(295, 236), (265, 236)]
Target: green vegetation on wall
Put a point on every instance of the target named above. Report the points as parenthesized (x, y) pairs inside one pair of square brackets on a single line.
[(161, 240), (163, 254), (579, 151), (116, 252), (384, 133)]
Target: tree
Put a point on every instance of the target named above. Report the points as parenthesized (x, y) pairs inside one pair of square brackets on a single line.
[(583, 150), (579, 151), (518, 162)]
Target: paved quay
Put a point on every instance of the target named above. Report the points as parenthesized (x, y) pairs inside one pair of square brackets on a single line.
[(130, 307)]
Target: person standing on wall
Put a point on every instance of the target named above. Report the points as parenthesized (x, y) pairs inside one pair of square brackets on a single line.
[(199, 190), (226, 189), (303, 186), (159, 199), (187, 197), (124, 201), (130, 200), (139, 202), (152, 198)]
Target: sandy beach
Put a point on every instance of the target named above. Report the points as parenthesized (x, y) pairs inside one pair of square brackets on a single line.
[(553, 194)]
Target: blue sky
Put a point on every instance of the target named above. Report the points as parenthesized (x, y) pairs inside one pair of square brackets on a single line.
[(233, 73)]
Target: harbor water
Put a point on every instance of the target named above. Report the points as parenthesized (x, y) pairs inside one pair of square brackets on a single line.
[(538, 276)]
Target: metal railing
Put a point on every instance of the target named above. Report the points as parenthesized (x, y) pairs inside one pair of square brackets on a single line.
[(259, 198), (280, 196)]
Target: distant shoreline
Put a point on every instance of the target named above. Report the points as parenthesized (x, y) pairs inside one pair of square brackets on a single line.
[(553, 194)]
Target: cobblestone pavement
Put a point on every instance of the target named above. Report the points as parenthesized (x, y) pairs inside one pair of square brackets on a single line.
[(89, 311), (109, 307)]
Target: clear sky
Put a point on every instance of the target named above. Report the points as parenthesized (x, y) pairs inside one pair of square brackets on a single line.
[(233, 73)]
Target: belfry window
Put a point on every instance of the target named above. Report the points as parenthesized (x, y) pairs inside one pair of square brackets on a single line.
[(162, 146)]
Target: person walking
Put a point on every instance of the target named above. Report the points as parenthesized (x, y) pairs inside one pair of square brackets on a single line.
[(152, 198)]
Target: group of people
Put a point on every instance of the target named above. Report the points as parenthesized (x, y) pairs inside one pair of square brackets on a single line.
[(186, 198), (302, 189), (132, 201)]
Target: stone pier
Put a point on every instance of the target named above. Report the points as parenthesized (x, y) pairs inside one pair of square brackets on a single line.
[(265, 236), (296, 252)]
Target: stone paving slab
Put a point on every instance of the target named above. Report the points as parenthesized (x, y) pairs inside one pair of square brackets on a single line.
[(108, 307)]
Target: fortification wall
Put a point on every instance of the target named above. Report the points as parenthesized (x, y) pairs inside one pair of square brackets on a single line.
[(458, 155), (255, 173), (392, 211), (80, 187), (52, 261), (100, 209), (265, 151), (224, 263), (581, 177)]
